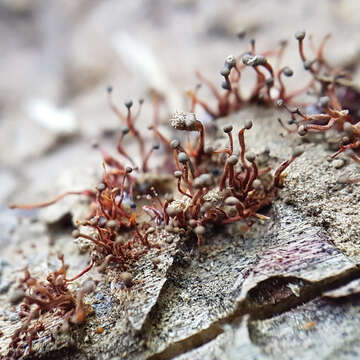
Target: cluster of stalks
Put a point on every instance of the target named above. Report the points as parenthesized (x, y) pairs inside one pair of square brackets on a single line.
[(337, 107), (47, 297), (218, 186), (269, 85)]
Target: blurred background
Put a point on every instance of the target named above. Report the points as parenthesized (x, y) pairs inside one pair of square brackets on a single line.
[(58, 57)]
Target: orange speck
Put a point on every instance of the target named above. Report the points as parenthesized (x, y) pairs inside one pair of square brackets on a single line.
[(309, 325), (133, 219), (100, 330), (190, 94), (79, 316), (31, 282), (244, 228)]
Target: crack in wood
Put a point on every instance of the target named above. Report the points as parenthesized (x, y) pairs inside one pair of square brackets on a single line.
[(276, 306)]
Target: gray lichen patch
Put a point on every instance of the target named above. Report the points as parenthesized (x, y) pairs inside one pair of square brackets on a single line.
[(320, 329), (199, 294), (229, 277), (312, 186)]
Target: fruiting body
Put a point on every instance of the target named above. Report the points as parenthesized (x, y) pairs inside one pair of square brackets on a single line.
[(42, 297)]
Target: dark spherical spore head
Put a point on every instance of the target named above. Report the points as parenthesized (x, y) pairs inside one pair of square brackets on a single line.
[(300, 35), (198, 183), (291, 121), (307, 64), (141, 101), (132, 206), (175, 143), (226, 85), (207, 180), (250, 156), (256, 60), (109, 89), (287, 71), (302, 130), (128, 169), (230, 61), (216, 172), (200, 230), (270, 81), (102, 221), (100, 187), (94, 144), (172, 211), (183, 157), (225, 71), (178, 174), (125, 130), (247, 59), (260, 60), (257, 184), (227, 129), (232, 160), (192, 222), (241, 34), (129, 104), (207, 205), (156, 147), (248, 124), (231, 201)]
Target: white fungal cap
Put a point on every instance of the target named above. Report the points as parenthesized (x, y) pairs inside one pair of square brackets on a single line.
[(182, 121)]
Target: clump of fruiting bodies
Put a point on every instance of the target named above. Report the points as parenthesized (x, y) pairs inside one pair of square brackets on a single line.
[(218, 186), (338, 98), (209, 187), (337, 107), (213, 187), (49, 297), (269, 85)]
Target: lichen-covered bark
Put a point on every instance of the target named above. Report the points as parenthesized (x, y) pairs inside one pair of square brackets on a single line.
[(286, 289), (199, 301)]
